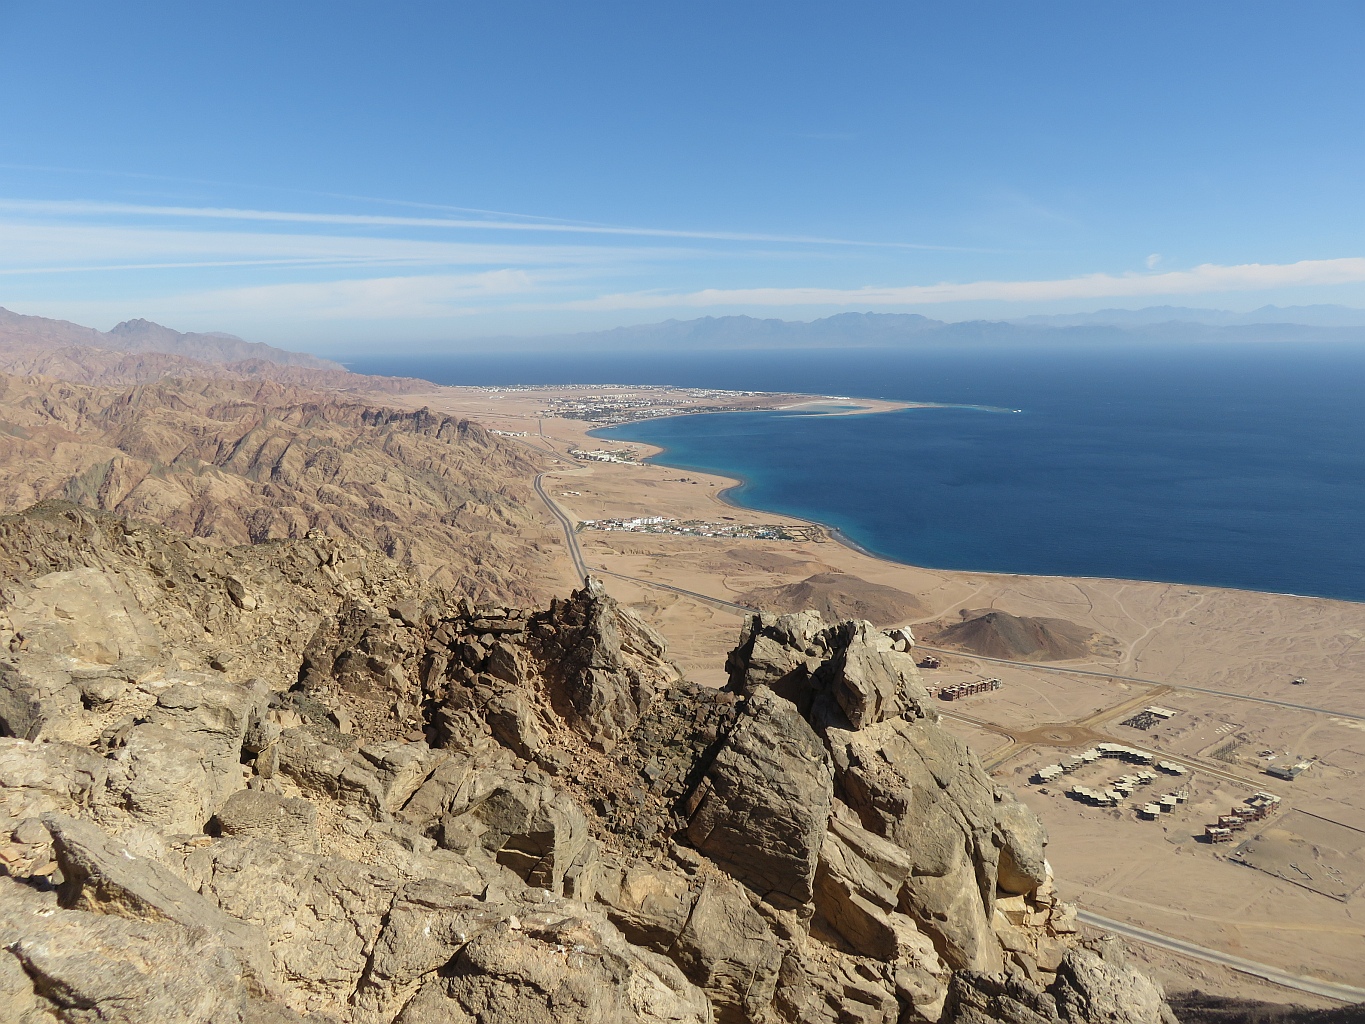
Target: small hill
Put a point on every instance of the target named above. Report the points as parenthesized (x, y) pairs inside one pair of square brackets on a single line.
[(837, 596), (997, 634)]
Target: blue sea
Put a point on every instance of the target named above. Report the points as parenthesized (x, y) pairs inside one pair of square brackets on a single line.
[(1233, 466)]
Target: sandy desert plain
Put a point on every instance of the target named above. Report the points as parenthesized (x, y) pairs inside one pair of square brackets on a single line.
[(1224, 660)]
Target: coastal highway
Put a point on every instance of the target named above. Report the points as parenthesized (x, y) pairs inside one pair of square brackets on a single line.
[(1146, 682), (582, 568), (570, 536), (1325, 989)]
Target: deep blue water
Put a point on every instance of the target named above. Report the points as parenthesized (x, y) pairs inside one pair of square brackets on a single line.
[(1231, 466)]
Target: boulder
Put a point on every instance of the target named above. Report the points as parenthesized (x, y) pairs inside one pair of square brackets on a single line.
[(290, 821), (857, 890), (1022, 839), (320, 915), (1097, 985), (649, 905), (320, 769), (728, 950), (760, 809), (73, 966), (530, 827), (562, 965), (100, 875), (912, 783), (837, 989), (161, 777), (401, 768)]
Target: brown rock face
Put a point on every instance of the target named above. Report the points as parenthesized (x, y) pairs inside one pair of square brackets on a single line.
[(237, 461), (760, 810), (389, 804)]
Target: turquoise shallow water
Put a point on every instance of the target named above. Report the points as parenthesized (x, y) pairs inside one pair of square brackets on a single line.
[(1230, 466)]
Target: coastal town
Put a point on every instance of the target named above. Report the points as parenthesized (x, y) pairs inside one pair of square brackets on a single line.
[(701, 528)]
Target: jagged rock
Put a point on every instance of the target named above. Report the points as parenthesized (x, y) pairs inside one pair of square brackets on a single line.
[(606, 664), (428, 923), (979, 998), (402, 768), (871, 681), (1022, 839), (320, 915), (761, 808), (40, 777), (844, 991), (164, 777), (914, 784), (555, 967), (557, 888), (649, 905), (321, 769), (858, 887), (772, 652), (435, 796), (848, 675), (531, 828), (728, 949), (515, 724), (72, 966), (288, 820), (100, 875), (1097, 985)]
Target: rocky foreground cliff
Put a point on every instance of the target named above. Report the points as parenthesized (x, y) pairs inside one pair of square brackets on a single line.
[(288, 780)]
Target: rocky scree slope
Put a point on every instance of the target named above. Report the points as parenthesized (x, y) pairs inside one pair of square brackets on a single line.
[(391, 804), (236, 462)]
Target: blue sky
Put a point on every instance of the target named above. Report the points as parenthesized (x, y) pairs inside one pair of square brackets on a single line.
[(352, 175)]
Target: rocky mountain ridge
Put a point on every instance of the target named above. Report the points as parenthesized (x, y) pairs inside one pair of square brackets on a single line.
[(40, 334), (289, 779), (237, 461)]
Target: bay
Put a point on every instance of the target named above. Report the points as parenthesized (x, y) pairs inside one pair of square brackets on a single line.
[(1237, 466)]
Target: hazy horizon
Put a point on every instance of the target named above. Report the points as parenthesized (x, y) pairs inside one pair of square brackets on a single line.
[(336, 178)]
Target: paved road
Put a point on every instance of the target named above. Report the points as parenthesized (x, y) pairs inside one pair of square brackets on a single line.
[(719, 602), (1326, 989), (570, 536), (1147, 682)]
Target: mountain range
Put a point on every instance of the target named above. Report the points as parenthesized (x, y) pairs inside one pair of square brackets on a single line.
[(1156, 325), (39, 334)]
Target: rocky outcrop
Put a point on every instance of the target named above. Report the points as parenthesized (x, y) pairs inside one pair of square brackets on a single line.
[(761, 808), (391, 805)]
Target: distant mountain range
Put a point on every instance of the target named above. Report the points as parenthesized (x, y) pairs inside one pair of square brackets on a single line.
[(1314, 316), (1156, 325), (39, 334)]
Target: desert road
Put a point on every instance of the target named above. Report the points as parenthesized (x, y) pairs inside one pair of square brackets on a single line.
[(1326, 989)]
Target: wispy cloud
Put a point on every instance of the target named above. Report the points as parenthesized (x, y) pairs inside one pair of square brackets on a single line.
[(64, 207), (408, 297), (1208, 277)]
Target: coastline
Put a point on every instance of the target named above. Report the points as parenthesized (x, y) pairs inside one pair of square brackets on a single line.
[(723, 495)]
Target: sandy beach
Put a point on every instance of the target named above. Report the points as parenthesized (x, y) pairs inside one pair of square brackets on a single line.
[(1224, 661)]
